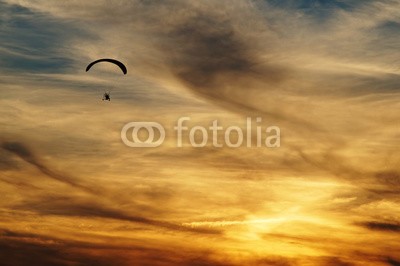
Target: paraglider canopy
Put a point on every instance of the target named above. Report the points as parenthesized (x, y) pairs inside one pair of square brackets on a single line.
[(113, 61)]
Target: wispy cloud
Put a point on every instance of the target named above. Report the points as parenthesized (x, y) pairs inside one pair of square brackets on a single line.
[(326, 72)]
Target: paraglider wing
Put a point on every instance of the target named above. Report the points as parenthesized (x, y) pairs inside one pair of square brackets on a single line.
[(113, 61)]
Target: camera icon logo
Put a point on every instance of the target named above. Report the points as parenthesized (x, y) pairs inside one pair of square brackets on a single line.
[(150, 127)]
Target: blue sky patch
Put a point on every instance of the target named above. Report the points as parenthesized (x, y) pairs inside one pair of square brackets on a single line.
[(33, 41)]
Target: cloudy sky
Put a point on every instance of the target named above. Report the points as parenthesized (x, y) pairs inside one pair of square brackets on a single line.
[(327, 73)]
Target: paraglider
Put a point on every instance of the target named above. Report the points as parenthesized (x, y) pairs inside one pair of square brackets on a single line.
[(106, 96)]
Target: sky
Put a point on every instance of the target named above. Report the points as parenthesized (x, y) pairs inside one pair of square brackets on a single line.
[(327, 73)]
